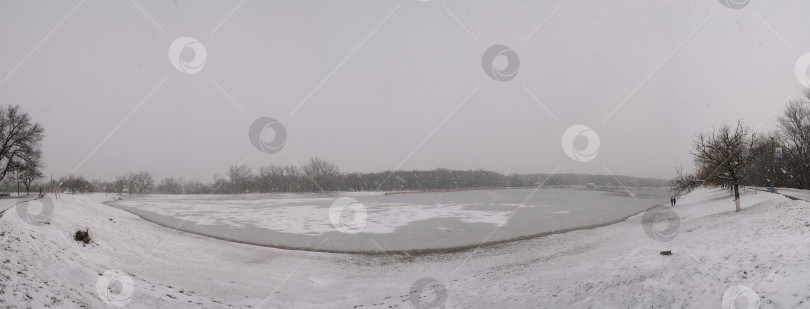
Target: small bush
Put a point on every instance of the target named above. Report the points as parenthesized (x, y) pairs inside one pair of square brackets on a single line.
[(82, 236)]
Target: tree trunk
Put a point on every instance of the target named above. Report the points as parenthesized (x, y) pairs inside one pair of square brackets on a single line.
[(737, 195)]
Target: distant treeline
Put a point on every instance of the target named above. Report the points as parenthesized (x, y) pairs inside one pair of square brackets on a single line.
[(584, 179), (322, 176)]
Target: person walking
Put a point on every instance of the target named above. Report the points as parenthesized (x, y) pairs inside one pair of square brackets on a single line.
[(672, 201)]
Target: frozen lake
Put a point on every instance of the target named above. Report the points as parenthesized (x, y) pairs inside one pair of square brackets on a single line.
[(397, 222)]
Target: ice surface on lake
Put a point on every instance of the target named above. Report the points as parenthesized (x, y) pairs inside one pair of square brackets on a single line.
[(309, 216), (395, 222)]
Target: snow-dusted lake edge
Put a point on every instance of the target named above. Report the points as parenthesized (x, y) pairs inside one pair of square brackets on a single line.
[(617, 266), (406, 223)]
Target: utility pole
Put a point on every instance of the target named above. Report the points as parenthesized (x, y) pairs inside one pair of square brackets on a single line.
[(17, 176)]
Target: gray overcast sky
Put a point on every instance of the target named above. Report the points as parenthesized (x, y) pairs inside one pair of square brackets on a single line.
[(376, 85)]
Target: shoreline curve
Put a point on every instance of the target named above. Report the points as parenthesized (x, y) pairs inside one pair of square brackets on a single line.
[(401, 253)]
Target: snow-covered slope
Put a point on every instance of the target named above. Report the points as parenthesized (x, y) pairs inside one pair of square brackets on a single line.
[(763, 247)]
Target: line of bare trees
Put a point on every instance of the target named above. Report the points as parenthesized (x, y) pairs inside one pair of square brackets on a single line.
[(731, 156), (319, 175), (133, 183)]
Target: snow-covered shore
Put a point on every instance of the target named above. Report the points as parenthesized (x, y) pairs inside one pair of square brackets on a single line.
[(763, 247)]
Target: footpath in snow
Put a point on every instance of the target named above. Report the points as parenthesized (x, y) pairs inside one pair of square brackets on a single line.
[(760, 255)]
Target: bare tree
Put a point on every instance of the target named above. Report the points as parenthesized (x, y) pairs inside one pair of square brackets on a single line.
[(120, 183), (169, 186), (294, 176), (240, 178), (144, 182), (272, 179), (192, 186), (19, 140), (76, 184), (684, 182), (322, 172), (30, 171), (138, 183), (723, 155), (98, 185), (794, 125)]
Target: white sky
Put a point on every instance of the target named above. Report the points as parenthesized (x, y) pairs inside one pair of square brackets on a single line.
[(387, 97)]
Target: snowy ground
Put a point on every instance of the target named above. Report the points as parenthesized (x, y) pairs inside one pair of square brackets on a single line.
[(763, 247), (796, 193), (8, 202)]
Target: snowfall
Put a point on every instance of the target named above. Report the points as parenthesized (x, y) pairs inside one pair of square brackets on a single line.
[(719, 258)]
